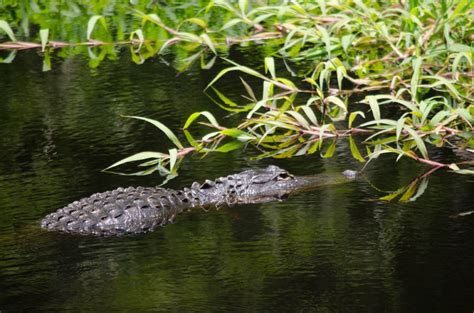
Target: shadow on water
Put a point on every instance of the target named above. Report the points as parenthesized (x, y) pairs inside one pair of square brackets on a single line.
[(328, 250)]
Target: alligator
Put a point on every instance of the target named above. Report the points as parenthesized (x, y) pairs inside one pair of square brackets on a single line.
[(135, 210)]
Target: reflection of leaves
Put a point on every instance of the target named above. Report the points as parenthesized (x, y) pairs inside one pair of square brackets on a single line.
[(463, 214), (9, 59), (354, 150), (46, 61), (330, 151), (410, 192)]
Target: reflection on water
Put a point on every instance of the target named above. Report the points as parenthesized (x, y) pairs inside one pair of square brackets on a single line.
[(333, 249)]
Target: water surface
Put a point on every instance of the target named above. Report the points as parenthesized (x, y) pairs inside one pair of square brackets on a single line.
[(330, 250)]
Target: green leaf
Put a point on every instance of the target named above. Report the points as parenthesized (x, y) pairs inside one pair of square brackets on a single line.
[(235, 68), (419, 142), (92, 22), (270, 66), (457, 47), (439, 117), (299, 118), (195, 115), (162, 127), (416, 76), (238, 134), (257, 106), (464, 172), (439, 80), (243, 5), (459, 57), (173, 154), (400, 125), (191, 139), (287, 84), (382, 121), (44, 33), (337, 101), (249, 90), (231, 23), (310, 114), (325, 38), (346, 41), (353, 115), (340, 72), (355, 151), (468, 117), (138, 157), (201, 23), (231, 105), (190, 37), (6, 28), (208, 42), (374, 106), (230, 146)]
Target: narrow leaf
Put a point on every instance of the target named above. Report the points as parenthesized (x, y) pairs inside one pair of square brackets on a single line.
[(44, 33), (163, 128), (138, 157), (195, 115), (91, 24), (6, 28), (270, 66), (173, 157), (355, 151)]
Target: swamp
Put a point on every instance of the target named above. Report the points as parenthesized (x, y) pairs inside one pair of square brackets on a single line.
[(97, 95)]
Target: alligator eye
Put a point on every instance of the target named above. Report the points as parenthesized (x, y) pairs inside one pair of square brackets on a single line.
[(284, 176)]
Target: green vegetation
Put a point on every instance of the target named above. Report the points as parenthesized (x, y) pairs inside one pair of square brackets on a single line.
[(390, 77)]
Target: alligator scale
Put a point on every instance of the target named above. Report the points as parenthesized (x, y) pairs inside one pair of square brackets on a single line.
[(136, 210)]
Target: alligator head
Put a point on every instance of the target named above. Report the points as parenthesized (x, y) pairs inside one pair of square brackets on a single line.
[(259, 185), (267, 184)]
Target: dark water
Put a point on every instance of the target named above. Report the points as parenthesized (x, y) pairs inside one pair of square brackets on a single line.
[(329, 250)]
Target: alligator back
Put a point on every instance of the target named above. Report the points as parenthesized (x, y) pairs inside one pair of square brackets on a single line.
[(120, 211)]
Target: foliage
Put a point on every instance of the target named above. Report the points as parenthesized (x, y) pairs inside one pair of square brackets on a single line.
[(416, 57)]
